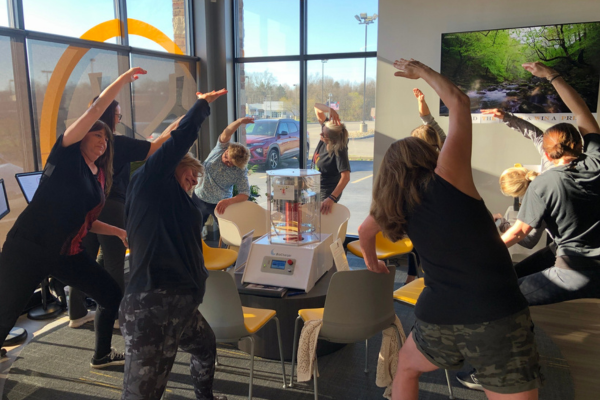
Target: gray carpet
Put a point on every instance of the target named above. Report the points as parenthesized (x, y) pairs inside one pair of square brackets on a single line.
[(55, 365)]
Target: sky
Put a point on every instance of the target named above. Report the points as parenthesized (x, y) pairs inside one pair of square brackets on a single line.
[(271, 27)]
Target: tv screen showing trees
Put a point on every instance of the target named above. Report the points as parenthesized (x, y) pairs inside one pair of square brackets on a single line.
[(486, 65)]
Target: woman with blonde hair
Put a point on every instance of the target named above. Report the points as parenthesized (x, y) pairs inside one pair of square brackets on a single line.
[(514, 181), (430, 131), (331, 157), (432, 198)]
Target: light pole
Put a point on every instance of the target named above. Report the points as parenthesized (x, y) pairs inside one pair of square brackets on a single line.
[(322, 76), (365, 20)]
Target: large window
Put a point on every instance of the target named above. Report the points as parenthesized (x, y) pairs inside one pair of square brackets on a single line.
[(288, 59), (61, 54)]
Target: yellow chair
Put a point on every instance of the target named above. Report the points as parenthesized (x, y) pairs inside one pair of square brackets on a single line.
[(222, 309), (386, 249), (217, 259), (409, 294)]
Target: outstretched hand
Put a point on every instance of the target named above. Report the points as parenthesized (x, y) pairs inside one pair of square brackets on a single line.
[(211, 96), (496, 112), (540, 70), (418, 94), (246, 120), (132, 74), (411, 69)]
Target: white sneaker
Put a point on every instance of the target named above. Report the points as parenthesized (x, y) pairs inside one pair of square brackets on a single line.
[(76, 323)]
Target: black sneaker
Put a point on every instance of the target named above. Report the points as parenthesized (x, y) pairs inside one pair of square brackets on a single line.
[(113, 358), (2, 353), (469, 380)]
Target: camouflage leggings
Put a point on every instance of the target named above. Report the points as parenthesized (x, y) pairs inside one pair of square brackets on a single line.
[(154, 324)]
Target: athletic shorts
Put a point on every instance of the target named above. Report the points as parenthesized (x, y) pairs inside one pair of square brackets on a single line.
[(503, 352)]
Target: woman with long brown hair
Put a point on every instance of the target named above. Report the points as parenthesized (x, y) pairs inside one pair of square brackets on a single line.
[(46, 238), (432, 197), (126, 151)]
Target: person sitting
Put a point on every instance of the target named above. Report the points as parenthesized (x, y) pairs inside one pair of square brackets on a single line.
[(159, 311), (224, 168), (331, 157), (427, 194)]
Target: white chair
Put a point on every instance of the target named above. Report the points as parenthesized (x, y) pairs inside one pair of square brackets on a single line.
[(336, 222), (222, 309), (239, 219)]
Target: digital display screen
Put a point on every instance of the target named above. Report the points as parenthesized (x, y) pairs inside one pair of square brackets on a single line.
[(278, 264)]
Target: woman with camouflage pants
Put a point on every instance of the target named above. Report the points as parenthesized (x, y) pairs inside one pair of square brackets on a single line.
[(159, 312)]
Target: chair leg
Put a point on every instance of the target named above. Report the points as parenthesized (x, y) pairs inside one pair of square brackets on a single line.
[(366, 356), (216, 360), (251, 366), (294, 349), (280, 350), (417, 266), (315, 372), (449, 385)]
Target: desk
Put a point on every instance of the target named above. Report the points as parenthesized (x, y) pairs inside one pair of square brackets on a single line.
[(265, 344)]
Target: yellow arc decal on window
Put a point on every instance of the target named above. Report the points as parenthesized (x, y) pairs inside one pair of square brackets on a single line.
[(68, 61)]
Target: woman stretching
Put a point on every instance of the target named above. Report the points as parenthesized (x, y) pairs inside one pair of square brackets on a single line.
[(46, 238), (433, 199), (159, 312), (126, 151), (331, 157)]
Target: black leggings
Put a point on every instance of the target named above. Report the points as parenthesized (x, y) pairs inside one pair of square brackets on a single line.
[(545, 281), (113, 251), (23, 265)]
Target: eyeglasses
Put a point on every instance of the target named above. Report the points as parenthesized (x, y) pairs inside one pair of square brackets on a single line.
[(120, 116)]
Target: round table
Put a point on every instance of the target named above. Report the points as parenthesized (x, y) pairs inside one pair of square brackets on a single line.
[(265, 340)]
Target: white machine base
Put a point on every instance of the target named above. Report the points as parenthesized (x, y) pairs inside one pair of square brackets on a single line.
[(294, 267)]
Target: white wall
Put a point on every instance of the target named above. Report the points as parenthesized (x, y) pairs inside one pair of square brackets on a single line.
[(413, 28)]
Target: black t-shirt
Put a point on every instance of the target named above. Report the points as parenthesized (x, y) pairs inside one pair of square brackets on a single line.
[(469, 276), (330, 166), (127, 150), (567, 199), (66, 203), (163, 224)]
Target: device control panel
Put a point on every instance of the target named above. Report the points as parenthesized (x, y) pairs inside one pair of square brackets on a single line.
[(278, 265)]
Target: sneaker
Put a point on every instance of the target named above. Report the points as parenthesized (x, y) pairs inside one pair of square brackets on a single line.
[(219, 397), (469, 380), (2, 353), (113, 358), (76, 323)]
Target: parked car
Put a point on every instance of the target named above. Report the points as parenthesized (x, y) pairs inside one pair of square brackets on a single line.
[(272, 140)]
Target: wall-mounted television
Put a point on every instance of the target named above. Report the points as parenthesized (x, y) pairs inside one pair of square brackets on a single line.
[(487, 66)]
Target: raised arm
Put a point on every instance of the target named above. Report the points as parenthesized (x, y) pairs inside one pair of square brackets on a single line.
[(163, 137), (585, 120), (454, 161), (426, 116), (228, 132), (322, 109), (78, 129)]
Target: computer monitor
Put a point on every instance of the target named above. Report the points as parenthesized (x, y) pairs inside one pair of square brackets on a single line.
[(4, 208), (29, 182)]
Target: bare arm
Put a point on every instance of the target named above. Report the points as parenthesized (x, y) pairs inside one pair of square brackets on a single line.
[(516, 233), (102, 228), (228, 132), (78, 129), (454, 161), (163, 137), (337, 192), (367, 232), (321, 109), (223, 204), (585, 120)]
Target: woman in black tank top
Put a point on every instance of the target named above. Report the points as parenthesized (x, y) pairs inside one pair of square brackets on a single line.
[(432, 198)]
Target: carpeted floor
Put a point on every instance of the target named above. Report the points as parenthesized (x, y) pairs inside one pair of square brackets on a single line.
[(55, 365)]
